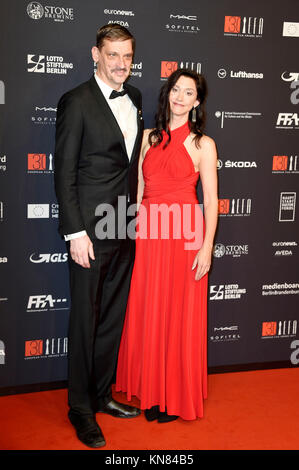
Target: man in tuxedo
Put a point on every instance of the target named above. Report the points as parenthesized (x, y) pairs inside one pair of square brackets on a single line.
[(98, 137)]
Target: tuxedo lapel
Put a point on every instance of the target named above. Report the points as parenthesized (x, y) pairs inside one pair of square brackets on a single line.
[(105, 109), (140, 123)]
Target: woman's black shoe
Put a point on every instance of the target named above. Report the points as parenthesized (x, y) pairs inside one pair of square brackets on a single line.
[(152, 413), (165, 418)]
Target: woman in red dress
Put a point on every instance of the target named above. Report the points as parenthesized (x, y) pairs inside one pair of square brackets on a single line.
[(163, 351)]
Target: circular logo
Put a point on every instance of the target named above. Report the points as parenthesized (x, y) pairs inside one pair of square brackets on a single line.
[(218, 114), (38, 211), (293, 29), (221, 73), (219, 164), (219, 250), (35, 10)]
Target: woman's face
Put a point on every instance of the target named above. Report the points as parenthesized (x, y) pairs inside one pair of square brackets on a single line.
[(183, 96)]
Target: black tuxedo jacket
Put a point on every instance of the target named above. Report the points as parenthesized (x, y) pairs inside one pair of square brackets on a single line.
[(91, 162)]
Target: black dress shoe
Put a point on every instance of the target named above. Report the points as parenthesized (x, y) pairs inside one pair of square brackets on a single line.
[(87, 429), (119, 410), (152, 413)]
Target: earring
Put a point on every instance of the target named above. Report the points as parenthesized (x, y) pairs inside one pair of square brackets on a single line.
[(193, 115)]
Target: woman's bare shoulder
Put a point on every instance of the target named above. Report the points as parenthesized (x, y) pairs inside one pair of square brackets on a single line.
[(207, 142)]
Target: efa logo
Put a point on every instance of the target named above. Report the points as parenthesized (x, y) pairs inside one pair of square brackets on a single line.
[(269, 328), (34, 348), (36, 161), (232, 24), (280, 163), (167, 68), (223, 206)]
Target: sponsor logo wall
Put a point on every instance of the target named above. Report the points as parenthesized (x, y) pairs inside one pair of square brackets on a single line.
[(253, 115)]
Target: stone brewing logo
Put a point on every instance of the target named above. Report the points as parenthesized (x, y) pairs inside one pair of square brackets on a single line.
[(229, 250), (219, 250), (55, 13), (35, 10)]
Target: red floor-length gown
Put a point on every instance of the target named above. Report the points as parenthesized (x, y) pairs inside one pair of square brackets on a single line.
[(162, 356)]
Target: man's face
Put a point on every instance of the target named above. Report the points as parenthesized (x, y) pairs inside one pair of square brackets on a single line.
[(114, 61)]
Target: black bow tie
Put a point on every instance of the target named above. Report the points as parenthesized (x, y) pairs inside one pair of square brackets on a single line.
[(116, 94)]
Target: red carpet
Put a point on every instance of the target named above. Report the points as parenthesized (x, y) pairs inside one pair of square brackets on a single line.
[(246, 410)]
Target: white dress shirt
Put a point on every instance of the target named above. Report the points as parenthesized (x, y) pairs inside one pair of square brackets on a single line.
[(125, 114)]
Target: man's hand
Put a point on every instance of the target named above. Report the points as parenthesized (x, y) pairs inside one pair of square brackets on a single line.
[(81, 250)]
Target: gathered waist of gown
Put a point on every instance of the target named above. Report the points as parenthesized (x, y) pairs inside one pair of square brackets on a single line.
[(173, 189)]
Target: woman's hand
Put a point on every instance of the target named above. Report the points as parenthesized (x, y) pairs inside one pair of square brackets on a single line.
[(203, 262)]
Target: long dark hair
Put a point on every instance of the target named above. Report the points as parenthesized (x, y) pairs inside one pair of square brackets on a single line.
[(163, 114)]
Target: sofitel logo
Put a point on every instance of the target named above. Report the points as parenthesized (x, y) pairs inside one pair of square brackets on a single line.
[(44, 115), (225, 333), (182, 24), (247, 26)]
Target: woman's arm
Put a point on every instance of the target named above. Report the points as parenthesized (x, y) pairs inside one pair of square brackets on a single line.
[(144, 148), (208, 174)]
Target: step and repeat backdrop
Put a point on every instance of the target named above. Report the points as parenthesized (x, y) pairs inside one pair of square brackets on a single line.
[(248, 52)]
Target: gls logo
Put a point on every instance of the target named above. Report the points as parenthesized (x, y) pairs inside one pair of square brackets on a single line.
[(49, 258)]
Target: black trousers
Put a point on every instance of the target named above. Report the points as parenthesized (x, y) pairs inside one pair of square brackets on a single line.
[(98, 304)]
